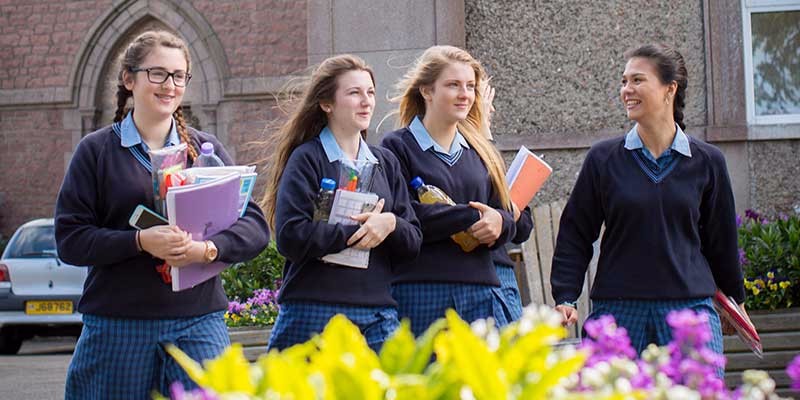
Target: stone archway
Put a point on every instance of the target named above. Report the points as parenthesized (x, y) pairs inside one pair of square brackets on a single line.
[(94, 69)]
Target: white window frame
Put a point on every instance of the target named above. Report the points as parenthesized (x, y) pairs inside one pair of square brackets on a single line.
[(760, 6)]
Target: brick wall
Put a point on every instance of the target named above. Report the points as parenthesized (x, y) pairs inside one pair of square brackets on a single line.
[(39, 40), (32, 148), (39, 43)]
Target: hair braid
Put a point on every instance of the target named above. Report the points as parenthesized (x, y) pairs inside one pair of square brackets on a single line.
[(184, 133), (123, 94)]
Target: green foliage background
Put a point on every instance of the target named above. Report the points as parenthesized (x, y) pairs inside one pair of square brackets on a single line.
[(262, 272)]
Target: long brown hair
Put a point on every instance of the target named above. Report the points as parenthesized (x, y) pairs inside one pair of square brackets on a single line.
[(424, 73), (134, 55), (305, 121)]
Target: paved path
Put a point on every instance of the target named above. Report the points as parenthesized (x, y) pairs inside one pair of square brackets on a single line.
[(38, 371)]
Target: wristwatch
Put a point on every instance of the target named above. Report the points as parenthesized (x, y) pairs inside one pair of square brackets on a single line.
[(211, 252)]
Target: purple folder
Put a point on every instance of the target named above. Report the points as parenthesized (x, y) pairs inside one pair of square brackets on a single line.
[(203, 210)]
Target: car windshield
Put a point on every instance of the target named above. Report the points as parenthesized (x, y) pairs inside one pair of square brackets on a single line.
[(32, 242)]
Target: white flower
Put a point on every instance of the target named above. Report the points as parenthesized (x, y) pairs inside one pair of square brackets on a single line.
[(680, 392)]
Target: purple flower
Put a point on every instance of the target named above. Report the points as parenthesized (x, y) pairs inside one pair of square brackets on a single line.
[(738, 220), (178, 393), (263, 297), (750, 214), (234, 307), (606, 340), (793, 370), (689, 328), (743, 257)]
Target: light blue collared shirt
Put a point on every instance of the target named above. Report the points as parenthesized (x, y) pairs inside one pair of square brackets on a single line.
[(335, 153), (130, 135), (425, 141), (680, 145)]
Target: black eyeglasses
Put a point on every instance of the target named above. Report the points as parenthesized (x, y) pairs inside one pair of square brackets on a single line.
[(160, 75)]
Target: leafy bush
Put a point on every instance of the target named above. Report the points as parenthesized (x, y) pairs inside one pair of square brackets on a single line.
[(770, 256), (523, 361), (241, 280)]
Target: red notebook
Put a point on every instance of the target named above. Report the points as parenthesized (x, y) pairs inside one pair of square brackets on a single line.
[(525, 177), (730, 311)]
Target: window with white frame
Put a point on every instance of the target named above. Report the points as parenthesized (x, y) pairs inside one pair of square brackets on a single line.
[(772, 60)]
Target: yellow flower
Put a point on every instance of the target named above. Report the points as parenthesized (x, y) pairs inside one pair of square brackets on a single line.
[(771, 275), (773, 286), (756, 291), (760, 282), (785, 284)]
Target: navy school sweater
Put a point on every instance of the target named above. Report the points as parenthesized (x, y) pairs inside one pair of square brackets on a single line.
[(670, 240), (103, 185), (524, 227), (303, 241), (440, 259)]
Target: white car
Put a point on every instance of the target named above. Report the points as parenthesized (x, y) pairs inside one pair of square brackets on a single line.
[(38, 292)]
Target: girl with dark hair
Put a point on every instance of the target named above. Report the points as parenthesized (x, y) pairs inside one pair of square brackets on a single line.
[(128, 310), (666, 201), (442, 142), (327, 128)]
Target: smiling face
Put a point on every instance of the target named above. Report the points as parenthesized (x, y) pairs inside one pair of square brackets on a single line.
[(157, 100), (353, 102), (452, 94), (642, 92)]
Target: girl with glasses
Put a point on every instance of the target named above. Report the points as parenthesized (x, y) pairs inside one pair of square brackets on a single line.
[(129, 311)]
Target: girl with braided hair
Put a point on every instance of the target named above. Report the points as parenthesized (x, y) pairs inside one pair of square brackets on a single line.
[(128, 310), (666, 201)]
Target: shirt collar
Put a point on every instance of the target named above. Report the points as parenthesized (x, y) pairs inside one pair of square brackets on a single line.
[(679, 144), (130, 135), (335, 153), (425, 141)]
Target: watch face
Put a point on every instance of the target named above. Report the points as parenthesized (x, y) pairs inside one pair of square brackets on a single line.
[(211, 252)]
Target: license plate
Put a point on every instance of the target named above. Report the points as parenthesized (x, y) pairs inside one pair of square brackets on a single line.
[(48, 307)]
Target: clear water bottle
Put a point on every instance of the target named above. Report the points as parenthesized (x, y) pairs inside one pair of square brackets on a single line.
[(429, 194), (207, 158), (324, 202)]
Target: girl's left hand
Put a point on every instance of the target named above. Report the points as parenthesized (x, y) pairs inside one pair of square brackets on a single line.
[(194, 254), (375, 227), (487, 230)]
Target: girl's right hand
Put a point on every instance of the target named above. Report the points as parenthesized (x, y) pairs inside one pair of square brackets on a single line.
[(165, 241), (569, 314)]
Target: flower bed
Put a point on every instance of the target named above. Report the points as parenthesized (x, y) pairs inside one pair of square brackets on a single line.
[(769, 252), (523, 361), (252, 288)]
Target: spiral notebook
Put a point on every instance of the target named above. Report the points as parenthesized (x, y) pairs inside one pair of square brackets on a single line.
[(345, 205)]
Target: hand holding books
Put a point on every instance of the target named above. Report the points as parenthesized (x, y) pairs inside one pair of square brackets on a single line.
[(733, 315)]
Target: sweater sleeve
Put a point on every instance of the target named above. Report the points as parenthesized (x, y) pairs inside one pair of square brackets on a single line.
[(79, 238), (298, 236), (249, 235), (718, 232), (404, 243), (524, 227), (578, 229)]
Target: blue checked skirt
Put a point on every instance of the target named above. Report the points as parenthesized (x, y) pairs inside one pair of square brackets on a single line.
[(646, 320), (510, 292), (118, 358), (425, 302), (299, 321)]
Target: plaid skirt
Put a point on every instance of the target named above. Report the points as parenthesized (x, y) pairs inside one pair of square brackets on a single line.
[(120, 358), (425, 302), (646, 320), (299, 321)]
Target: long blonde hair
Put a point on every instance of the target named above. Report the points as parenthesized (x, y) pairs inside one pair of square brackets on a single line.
[(134, 55), (305, 122), (424, 73)]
